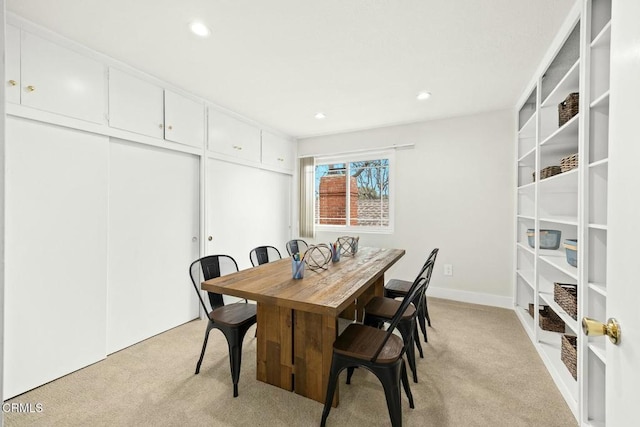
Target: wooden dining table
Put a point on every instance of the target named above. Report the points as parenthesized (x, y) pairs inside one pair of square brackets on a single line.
[(298, 318)]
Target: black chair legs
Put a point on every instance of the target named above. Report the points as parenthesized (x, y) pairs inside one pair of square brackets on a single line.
[(391, 377), (204, 346), (234, 337)]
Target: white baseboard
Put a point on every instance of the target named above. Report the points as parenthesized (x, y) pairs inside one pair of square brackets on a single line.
[(471, 297)]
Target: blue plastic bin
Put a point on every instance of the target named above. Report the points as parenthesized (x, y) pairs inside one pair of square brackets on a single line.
[(549, 239), (571, 246)]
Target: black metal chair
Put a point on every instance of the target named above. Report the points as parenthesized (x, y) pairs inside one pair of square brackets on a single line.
[(297, 246), (395, 288), (378, 351), (232, 320), (382, 309), (264, 254)]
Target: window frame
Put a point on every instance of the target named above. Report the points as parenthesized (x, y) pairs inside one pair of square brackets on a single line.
[(347, 159)]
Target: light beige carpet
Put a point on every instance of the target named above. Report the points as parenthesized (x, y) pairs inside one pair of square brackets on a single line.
[(480, 369)]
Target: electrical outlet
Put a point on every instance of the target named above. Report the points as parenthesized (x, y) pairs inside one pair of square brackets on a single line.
[(448, 270)]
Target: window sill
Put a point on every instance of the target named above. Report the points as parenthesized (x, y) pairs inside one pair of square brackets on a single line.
[(353, 230)]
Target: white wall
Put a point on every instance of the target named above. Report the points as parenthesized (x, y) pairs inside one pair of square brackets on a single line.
[(454, 191)]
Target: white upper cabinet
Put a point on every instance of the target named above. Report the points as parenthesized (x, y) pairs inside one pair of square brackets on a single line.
[(12, 53), (183, 119), (59, 80), (233, 137), (135, 105), (277, 151)]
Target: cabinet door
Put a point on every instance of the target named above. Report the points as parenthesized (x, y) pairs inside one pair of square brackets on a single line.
[(62, 81), (277, 151), (233, 137), (135, 105), (13, 64), (56, 251), (183, 120), (153, 238)]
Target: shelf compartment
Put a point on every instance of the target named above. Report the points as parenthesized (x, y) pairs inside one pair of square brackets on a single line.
[(596, 308), (526, 205), (558, 260), (547, 298), (600, 68), (526, 167), (601, 102), (549, 344), (527, 278), (528, 158), (525, 247), (599, 133), (565, 220), (563, 182), (524, 261), (603, 38), (599, 288), (598, 186), (597, 256), (526, 115), (565, 138), (567, 84), (600, 17), (596, 378), (527, 321)]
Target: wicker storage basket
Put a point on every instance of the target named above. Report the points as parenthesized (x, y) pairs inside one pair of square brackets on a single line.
[(569, 162), (548, 172), (566, 295), (569, 354), (549, 320), (568, 108)]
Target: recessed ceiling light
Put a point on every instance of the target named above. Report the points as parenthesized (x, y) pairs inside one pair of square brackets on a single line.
[(423, 95), (200, 29), (320, 116)]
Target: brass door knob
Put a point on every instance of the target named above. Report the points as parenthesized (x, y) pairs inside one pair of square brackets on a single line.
[(592, 327), (13, 82), (210, 238), (31, 88)]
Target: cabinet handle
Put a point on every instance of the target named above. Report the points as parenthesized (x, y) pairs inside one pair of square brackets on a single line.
[(31, 88), (169, 127), (210, 238), (237, 147), (160, 125), (280, 159), (12, 82)]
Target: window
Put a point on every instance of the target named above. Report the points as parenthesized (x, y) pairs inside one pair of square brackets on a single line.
[(363, 201)]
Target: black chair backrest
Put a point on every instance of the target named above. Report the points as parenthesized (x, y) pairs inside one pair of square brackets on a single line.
[(263, 254), (297, 246), (417, 287), (207, 268)]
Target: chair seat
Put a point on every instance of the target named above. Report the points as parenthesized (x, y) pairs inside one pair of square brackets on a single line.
[(361, 342), (400, 287), (234, 314), (386, 307)]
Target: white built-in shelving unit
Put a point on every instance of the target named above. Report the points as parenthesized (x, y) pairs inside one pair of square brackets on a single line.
[(574, 202)]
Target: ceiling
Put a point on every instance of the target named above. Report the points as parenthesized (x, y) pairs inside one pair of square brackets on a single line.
[(361, 62)]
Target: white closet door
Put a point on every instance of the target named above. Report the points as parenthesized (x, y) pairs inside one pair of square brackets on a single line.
[(247, 207), (153, 225), (56, 249)]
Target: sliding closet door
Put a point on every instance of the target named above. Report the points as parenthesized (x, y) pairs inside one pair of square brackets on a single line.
[(247, 207), (56, 247), (153, 229)]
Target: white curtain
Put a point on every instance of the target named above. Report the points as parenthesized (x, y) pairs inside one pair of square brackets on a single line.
[(306, 197)]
